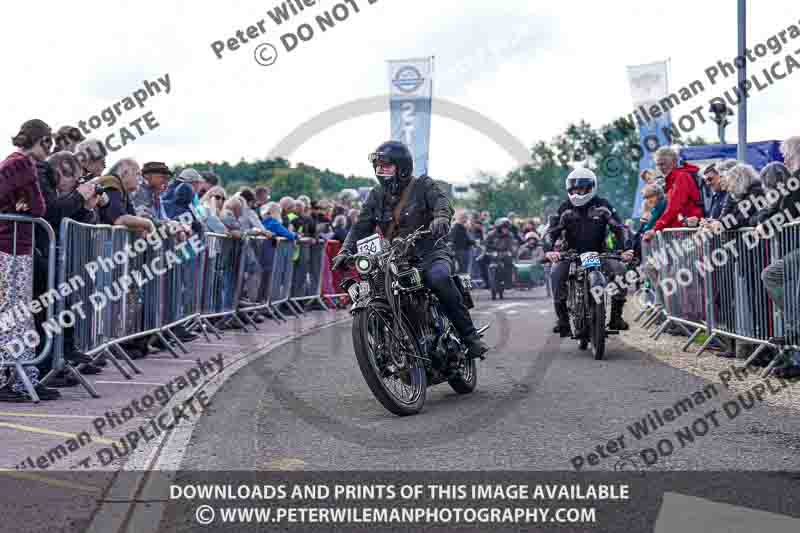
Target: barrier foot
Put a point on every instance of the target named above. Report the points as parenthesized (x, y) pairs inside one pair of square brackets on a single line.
[(684, 328), (114, 361), (238, 319), (641, 314), (269, 312), (250, 320), (661, 329), (178, 341), (127, 358), (704, 347), (652, 318), (166, 343), (26, 381), (82, 380), (277, 313), (691, 339), (207, 325), (753, 356), (768, 370), (296, 307), (291, 309)]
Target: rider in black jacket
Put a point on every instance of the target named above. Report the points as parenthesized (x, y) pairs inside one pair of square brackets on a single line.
[(583, 223), (426, 205), (503, 241)]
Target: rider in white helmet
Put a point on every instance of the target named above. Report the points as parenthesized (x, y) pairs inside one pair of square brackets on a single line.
[(582, 223)]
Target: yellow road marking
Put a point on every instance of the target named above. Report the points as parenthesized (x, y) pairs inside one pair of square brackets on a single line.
[(49, 480), (286, 463), (43, 415), (32, 429)]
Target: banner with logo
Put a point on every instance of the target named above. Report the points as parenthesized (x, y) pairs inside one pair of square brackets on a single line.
[(410, 94), (649, 84)]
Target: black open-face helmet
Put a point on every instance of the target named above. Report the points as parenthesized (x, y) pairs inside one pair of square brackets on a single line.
[(398, 154)]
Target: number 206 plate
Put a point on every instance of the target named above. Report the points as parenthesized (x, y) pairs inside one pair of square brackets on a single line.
[(370, 245), (590, 259)]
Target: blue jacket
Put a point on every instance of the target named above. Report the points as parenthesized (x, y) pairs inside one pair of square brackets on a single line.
[(177, 199), (278, 229)]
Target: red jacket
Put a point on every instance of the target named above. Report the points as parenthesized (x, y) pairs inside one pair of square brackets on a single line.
[(19, 182), (683, 198)]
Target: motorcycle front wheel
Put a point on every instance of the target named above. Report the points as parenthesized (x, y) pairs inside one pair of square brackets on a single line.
[(389, 361), (598, 329)]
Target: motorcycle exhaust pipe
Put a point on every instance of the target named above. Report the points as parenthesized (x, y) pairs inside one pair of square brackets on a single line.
[(483, 328)]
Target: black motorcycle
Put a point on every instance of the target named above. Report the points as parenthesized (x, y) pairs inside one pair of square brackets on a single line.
[(402, 340), (497, 272), (586, 299)]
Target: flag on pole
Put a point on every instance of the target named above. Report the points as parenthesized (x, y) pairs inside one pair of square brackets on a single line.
[(649, 84), (410, 95)]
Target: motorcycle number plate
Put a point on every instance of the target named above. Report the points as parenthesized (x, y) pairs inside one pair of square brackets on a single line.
[(370, 245), (590, 259)]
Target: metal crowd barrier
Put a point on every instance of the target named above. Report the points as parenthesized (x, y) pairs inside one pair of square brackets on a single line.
[(282, 276), (718, 287), (223, 268), (255, 279), (683, 299), (161, 293), (307, 280), (10, 320), (789, 252)]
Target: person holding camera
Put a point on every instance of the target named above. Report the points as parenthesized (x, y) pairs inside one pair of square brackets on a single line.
[(67, 195)]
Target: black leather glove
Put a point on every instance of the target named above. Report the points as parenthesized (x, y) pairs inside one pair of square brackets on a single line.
[(340, 261), (440, 227)]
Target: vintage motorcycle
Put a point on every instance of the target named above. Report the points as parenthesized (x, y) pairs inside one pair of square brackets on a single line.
[(586, 299), (402, 340)]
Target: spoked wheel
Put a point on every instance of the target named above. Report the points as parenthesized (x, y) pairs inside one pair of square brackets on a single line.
[(584, 343), (467, 378), (598, 329), (389, 361)]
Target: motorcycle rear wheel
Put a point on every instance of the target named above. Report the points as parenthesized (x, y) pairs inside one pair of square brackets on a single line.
[(402, 392)]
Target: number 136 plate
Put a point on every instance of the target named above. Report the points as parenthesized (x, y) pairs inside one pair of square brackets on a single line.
[(370, 245)]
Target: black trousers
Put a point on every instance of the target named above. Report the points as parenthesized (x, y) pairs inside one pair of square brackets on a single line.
[(438, 277)]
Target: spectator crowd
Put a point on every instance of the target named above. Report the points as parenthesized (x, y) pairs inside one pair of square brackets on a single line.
[(63, 175)]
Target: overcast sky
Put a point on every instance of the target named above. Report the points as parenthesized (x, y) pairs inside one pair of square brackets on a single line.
[(529, 65)]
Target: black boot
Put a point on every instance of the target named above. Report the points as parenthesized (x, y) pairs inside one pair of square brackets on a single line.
[(562, 326), (617, 322), (476, 348)]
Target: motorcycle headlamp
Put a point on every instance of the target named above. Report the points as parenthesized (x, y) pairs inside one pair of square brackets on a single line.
[(363, 265)]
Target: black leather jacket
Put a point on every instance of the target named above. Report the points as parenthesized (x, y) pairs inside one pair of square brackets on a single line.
[(584, 228), (496, 242), (425, 203)]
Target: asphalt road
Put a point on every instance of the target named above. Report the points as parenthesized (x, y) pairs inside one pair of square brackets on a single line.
[(541, 403)]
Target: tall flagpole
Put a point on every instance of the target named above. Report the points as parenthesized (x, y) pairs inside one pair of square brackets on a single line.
[(741, 151)]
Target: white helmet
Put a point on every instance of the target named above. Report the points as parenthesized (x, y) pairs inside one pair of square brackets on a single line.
[(581, 178)]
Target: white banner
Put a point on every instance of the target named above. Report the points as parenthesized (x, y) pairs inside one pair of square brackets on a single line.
[(648, 82), (411, 78)]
